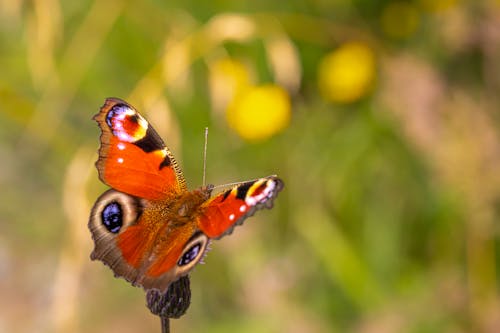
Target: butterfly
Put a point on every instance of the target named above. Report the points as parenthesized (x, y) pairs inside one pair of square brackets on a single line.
[(149, 228)]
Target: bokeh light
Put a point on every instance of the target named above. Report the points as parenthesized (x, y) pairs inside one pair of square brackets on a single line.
[(347, 73), (259, 112), (228, 78)]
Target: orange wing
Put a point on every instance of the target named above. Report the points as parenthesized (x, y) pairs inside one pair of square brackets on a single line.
[(139, 244), (228, 209), (132, 157)]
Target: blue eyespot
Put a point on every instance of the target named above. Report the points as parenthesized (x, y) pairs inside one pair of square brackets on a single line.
[(189, 255), (115, 111), (112, 217)]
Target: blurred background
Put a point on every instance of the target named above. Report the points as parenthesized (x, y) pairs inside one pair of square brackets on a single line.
[(381, 117)]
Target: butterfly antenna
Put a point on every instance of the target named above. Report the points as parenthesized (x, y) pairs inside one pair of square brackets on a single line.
[(205, 157)]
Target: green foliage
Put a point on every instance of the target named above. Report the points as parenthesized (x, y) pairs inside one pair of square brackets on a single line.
[(387, 219)]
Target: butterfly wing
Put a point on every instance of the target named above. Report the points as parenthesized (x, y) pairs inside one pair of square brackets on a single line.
[(149, 229), (137, 243), (132, 157), (224, 211)]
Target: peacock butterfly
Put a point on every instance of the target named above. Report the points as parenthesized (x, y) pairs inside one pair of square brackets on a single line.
[(148, 228)]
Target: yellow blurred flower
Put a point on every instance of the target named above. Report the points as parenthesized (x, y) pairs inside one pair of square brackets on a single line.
[(227, 78), (348, 73), (260, 112), (437, 6), (400, 19)]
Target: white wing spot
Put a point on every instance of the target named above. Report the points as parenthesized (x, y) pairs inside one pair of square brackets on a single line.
[(121, 146), (124, 136), (231, 217), (120, 160), (243, 208)]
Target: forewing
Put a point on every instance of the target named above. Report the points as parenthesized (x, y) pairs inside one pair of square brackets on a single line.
[(132, 156), (224, 211)]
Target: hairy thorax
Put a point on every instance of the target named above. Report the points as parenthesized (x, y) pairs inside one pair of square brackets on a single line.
[(179, 209)]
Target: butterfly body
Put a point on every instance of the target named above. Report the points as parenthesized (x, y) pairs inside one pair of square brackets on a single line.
[(149, 229)]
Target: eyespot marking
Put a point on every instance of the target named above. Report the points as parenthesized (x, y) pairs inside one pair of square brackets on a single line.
[(261, 193), (112, 217), (126, 123), (189, 255), (117, 112)]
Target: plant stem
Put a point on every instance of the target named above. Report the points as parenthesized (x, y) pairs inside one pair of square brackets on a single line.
[(165, 325)]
